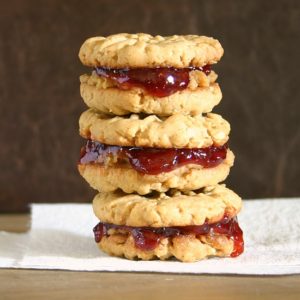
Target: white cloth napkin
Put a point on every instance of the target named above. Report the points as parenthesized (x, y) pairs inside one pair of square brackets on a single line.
[(61, 238)]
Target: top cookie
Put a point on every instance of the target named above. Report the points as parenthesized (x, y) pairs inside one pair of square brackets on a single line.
[(146, 51), (164, 209), (177, 131)]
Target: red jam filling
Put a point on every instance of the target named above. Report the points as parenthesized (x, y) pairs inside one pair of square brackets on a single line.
[(159, 82), (154, 161), (148, 238)]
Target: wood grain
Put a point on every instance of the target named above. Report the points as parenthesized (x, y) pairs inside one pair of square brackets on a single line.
[(40, 284), (14, 222), (32, 284)]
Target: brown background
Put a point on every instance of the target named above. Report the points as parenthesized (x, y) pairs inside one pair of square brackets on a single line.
[(40, 102)]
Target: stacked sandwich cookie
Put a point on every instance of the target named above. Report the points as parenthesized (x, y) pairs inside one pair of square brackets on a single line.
[(154, 150)]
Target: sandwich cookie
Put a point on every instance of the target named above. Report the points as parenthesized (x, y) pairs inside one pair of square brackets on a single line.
[(154, 154), (189, 226), (130, 76)]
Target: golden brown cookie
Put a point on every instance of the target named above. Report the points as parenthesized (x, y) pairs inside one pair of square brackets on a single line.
[(187, 248), (188, 177), (173, 208), (103, 94), (176, 131), (143, 50), (189, 226)]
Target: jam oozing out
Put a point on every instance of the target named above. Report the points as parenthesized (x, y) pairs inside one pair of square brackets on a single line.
[(160, 82), (154, 161), (148, 238)]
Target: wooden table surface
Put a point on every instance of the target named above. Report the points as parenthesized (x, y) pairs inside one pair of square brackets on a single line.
[(37, 284)]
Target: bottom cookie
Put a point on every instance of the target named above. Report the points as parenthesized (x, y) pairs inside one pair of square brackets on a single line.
[(186, 243)]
